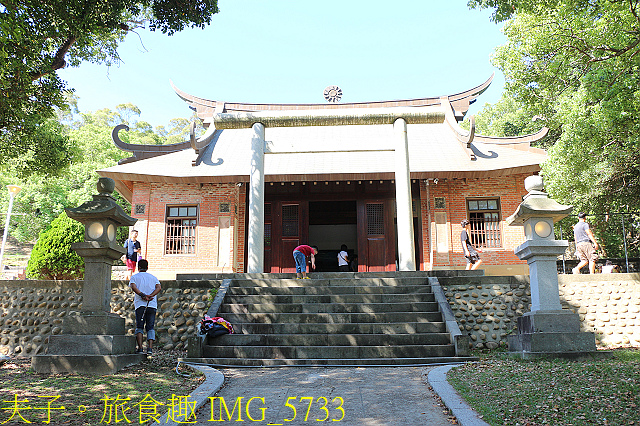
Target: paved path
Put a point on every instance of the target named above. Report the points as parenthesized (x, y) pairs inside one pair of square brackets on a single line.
[(367, 396)]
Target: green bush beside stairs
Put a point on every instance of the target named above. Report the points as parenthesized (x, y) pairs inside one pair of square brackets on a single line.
[(52, 257)]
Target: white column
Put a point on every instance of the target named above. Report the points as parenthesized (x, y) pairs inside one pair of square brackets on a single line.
[(255, 233), (406, 248)]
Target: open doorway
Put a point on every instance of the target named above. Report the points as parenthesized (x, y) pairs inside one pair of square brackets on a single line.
[(331, 224)]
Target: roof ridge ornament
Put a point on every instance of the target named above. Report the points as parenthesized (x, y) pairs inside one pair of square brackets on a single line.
[(141, 152), (465, 137), (333, 94)]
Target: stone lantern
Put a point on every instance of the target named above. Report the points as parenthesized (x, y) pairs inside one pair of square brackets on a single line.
[(547, 328), (93, 341), (101, 217)]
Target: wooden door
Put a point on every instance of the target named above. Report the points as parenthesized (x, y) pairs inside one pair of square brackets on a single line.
[(376, 238), (289, 228), (268, 252)]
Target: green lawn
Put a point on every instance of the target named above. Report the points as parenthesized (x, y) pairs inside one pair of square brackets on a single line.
[(508, 391), (85, 398)]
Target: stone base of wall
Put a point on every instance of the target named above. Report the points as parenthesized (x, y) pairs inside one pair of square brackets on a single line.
[(608, 305), (486, 308), (31, 311)]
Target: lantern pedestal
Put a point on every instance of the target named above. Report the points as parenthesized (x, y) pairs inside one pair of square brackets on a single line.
[(547, 330), (94, 340)]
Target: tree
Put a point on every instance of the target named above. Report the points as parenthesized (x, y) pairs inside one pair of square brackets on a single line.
[(574, 65), (52, 257), (37, 38), (90, 148)]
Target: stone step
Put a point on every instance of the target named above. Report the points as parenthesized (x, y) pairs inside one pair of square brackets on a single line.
[(343, 328), (332, 352), (329, 298), (330, 339), (353, 362), (337, 308), (323, 290), (398, 317), (332, 319), (330, 275), (334, 282)]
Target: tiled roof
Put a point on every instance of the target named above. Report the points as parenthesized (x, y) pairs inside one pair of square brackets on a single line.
[(309, 153)]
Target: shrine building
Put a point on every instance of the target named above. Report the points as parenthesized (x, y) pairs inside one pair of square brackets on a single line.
[(390, 179)]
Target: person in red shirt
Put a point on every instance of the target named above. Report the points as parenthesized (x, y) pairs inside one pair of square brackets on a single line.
[(299, 255)]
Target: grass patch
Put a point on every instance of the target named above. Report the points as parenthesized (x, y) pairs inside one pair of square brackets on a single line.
[(84, 396), (212, 294), (509, 391)]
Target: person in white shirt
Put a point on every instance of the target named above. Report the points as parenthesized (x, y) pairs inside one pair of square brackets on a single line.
[(146, 287), (609, 267), (343, 259)]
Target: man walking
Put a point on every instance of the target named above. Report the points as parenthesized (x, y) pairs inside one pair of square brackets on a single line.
[(146, 287), (586, 245)]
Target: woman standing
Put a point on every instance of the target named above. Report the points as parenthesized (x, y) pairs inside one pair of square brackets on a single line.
[(134, 251), (473, 258)]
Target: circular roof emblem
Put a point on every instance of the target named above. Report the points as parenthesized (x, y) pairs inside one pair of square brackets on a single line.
[(333, 94)]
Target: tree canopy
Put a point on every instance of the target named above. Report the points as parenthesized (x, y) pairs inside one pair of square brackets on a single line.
[(574, 66), (37, 38), (90, 148)]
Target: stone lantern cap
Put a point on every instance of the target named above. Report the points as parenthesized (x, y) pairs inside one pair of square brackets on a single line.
[(537, 204), (103, 206)]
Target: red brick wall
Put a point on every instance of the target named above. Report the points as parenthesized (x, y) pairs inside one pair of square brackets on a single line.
[(152, 226), (157, 196), (509, 189)]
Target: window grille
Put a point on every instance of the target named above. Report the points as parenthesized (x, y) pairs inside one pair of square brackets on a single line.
[(290, 220), (181, 229), (440, 203), (140, 208), (267, 234), (484, 217), (375, 219), (224, 208)]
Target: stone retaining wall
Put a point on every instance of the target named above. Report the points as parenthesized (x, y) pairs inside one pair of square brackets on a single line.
[(486, 309), (608, 304), (31, 311)]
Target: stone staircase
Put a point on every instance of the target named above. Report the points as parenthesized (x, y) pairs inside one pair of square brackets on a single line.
[(332, 319)]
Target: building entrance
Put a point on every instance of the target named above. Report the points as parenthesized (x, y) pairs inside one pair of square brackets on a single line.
[(358, 214), (331, 224)]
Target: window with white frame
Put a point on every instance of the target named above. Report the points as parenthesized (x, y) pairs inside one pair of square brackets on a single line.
[(181, 229), (484, 217)]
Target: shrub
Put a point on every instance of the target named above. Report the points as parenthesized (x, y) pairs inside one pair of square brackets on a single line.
[(52, 257)]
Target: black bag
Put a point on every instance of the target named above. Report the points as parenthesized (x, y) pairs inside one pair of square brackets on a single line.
[(214, 327), (217, 330)]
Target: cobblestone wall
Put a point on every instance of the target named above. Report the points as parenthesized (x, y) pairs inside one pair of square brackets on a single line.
[(31, 311), (608, 304), (487, 307)]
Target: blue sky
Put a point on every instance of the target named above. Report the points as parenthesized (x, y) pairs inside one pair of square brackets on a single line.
[(289, 51)]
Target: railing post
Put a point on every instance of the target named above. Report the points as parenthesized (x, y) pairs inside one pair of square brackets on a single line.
[(624, 239)]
